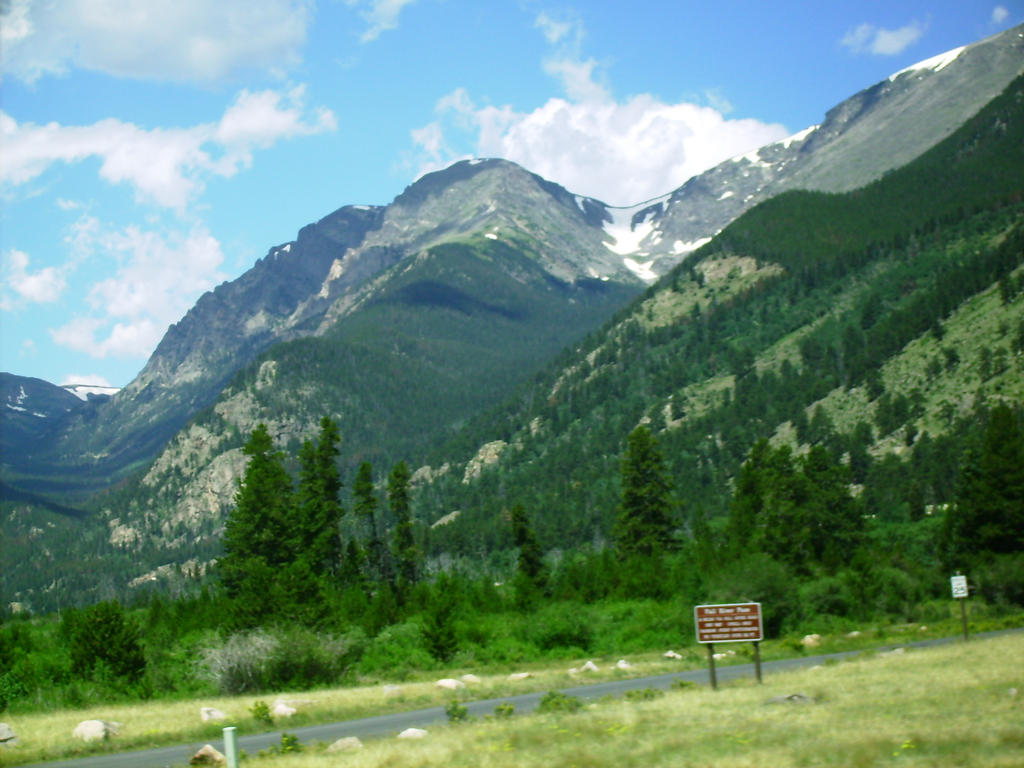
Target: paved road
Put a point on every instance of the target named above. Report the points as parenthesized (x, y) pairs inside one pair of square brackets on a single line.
[(389, 725)]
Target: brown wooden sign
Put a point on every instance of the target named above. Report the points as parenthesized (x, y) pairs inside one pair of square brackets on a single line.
[(729, 623)]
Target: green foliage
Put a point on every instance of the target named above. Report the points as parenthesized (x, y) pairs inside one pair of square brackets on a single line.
[(644, 524), (456, 712), (439, 628), (290, 744), (406, 554), (504, 711), (644, 694), (101, 637), (260, 712), (558, 702)]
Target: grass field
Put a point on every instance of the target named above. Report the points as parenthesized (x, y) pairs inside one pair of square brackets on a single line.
[(921, 700), (956, 705)]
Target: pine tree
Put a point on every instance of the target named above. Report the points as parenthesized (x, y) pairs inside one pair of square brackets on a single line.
[(405, 553), (644, 524), (258, 532), (364, 506), (319, 512), (530, 577)]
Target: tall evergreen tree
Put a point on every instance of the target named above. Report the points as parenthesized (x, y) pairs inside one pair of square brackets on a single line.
[(405, 553), (319, 512), (257, 532), (988, 517), (531, 576), (364, 506), (644, 524)]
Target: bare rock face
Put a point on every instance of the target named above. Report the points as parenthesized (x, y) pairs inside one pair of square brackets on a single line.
[(95, 730)]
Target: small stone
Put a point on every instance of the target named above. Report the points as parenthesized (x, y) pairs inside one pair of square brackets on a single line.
[(589, 667), (393, 690), (208, 755), (519, 676), (346, 744), (412, 733), (1012, 693), (211, 713), (450, 684), (793, 698), (472, 679), (623, 664), (855, 633), (671, 655), (7, 737), (811, 641)]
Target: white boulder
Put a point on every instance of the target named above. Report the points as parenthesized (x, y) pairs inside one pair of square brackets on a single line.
[(519, 676), (450, 684), (589, 667), (470, 679), (412, 733), (346, 744), (211, 713), (7, 737), (811, 641), (671, 655), (282, 709), (623, 664), (95, 730)]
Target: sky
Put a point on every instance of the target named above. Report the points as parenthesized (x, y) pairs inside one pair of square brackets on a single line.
[(153, 149)]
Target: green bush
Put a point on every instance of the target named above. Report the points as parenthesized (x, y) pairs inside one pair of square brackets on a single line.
[(644, 694), (397, 650), (456, 712), (261, 713), (504, 711), (565, 625), (556, 701)]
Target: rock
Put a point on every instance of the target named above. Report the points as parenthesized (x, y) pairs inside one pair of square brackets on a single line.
[(573, 671), (793, 698), (95, 730), (811, 641), (7, 737), (412, 733), (519, 676), (393, 690), (211, 713), (623, 664), (589, 667), (470, 679), (449, 684), (719, 656), (922, 628), (855, 633), (281, 709), (1012, 693), (346, 744), (208, 755), (671, 655)]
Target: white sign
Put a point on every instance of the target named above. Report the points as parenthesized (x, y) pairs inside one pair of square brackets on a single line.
[(959, 585)]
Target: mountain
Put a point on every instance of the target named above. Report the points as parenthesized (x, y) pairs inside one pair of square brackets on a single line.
[(409, 323), (304, 287), (866, 136)]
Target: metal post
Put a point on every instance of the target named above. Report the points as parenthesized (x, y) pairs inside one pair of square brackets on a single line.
[(963, 615), (757, 660), (230, 751), (711, 662)]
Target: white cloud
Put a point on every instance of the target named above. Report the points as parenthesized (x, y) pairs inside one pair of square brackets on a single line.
[(381, 15), (159, 275), (166, 166), (553, 30), (184, 40), (867, 38), (999, 15), (43, 286), (620, 151)]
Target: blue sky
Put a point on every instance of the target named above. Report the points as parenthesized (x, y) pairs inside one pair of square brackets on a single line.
[(151, 149)]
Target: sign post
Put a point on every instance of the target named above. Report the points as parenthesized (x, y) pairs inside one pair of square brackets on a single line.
[(958, 584), (729, 623)]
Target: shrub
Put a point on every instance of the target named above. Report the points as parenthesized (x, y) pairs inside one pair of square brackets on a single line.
[(504, 711), (241, 663), (555, 701), (456, 712), (261, 713), (562, 626), (645, 694), (396, 650), (101, 635)]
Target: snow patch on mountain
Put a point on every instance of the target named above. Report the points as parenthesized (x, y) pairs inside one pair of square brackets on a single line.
[(82, 391), (935, 63)]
